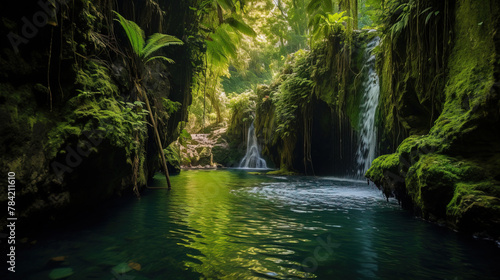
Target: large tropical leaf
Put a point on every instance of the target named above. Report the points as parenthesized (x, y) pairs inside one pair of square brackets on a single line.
[(216, 54), (240, 26), (222, 44), (225, 43), (145, 49), (157, 41), (317, 6), (313, 6), (225, 4), (134, 33)]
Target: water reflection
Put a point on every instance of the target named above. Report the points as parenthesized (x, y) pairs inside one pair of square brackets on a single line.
[(233, 225), (236, 236), (254, 227)]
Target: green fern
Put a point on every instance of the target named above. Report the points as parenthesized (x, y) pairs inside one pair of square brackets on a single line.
[(328, 24), (134, 33), (144, 49), (315, 8)]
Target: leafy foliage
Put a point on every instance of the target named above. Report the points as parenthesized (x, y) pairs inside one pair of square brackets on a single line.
[(240, 26), (242, 113), (370, 12), (243, 107), (294, 95), (223, 29), (326, 25), (144, 49), (222, 45), (171, 106), (184, 136), (94, 79)]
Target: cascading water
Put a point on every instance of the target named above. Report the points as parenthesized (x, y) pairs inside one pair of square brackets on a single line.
[(252, 158), (368, 131)]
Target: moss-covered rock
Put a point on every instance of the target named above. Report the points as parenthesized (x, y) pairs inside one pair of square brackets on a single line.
[(452, 173), (74, 134)]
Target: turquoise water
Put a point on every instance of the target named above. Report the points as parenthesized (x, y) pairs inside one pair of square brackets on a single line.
[(235, 225)]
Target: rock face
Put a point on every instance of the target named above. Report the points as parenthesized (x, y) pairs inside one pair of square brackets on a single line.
[(198, 152), (72, 130), (207, 150), (451, 174)]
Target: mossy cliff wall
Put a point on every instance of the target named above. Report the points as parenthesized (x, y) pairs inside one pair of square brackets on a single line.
[(412, 63), (450, 174), (71, 128)]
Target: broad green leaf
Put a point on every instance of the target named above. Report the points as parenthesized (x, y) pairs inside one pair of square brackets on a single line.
[(157, 41), (134, 33), (240, 26)]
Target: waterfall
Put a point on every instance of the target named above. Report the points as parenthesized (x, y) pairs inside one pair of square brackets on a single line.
[(252, 158), (367, 129)]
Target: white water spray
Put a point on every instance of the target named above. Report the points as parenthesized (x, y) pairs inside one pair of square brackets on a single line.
[(368, 131), (252, 158)]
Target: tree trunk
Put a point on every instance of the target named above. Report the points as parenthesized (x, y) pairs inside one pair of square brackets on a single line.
[(157, 135)]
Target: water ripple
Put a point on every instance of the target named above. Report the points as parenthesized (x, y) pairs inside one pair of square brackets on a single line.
[(233, 225)]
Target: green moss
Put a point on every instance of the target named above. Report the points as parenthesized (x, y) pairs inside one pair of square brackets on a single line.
[(96, 109), (463, 192), (294, 95), (471, 71), (242, 114), (382, 164), (430, 182), (353, 108), (94, 79), (283, 171), (474, 210), (227, 155), (59, 135), (17, 110), (450, 173)]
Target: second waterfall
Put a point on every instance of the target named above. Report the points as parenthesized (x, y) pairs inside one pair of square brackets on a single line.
[(252, 158), (367, 145)]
